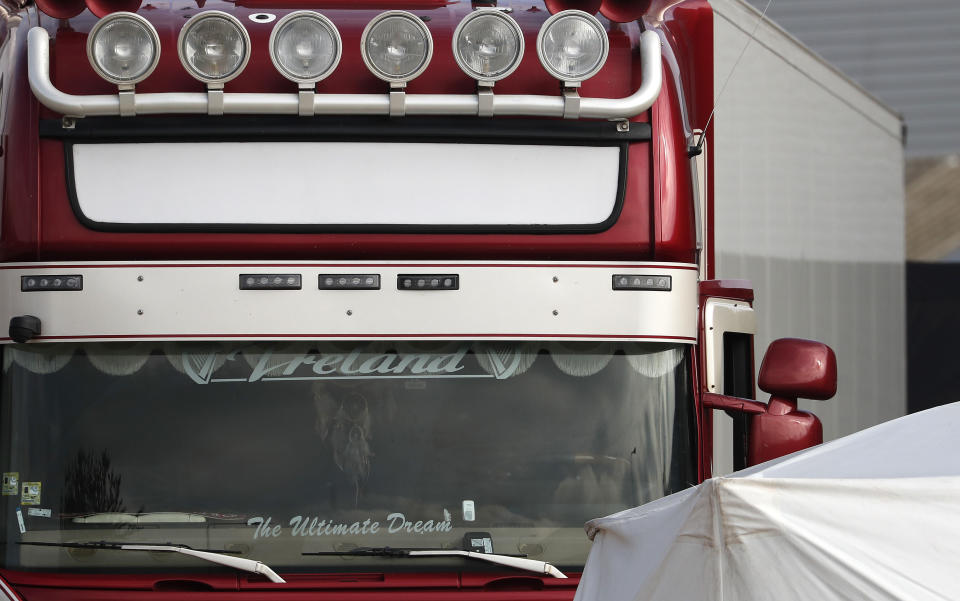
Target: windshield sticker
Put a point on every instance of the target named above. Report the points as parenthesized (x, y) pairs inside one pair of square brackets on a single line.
[(469, 511), (39, 513), (268, 366), (11, 483), (480, 542), (316, 526), (30, 495), (23, 526)]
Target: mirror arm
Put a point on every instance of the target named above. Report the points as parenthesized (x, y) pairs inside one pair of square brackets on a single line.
[(779, 405), (712, 400)]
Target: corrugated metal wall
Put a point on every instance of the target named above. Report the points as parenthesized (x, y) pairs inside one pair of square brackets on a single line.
[(907, 52), (808, 175)]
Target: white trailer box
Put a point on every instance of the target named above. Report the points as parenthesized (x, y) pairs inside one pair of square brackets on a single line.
[(809, 206)]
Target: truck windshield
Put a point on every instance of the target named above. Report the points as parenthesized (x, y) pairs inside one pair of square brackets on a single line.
[(273, 450)]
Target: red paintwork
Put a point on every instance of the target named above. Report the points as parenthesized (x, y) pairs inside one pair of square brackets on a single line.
[(712, 400), (776, 428), (8, 591), (418, 265), (791, 368), (62, 9), (619, 11), (657, 222), (795, 368), (774, 435), (62, 237), (674, 217), (705, 424), (220, 586), (59, 236), (587, 6), (688, 29), (348, 4), (102, 8), (703, 416), (738, 290), (730, 289), (624, 11), (20, 212)]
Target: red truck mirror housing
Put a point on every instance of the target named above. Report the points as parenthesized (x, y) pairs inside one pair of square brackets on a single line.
[(792, 368)]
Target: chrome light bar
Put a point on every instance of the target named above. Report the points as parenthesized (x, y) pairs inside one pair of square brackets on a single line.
[(235, 103)]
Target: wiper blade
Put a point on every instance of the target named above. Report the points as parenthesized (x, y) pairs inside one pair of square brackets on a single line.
[(103, 544), (520, 563), (156, 517), (218, 557)]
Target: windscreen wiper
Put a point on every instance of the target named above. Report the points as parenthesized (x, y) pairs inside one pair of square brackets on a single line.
[(520, 563), (218, 557)]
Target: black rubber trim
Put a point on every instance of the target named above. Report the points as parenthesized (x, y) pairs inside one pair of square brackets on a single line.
[(282, 128), (454, 131)]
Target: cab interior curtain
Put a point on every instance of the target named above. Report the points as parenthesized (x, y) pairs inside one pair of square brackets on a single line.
[(502, 359)]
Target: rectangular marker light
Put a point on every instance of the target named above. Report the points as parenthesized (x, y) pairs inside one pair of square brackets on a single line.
[(37, 283), (269, 281), (642, 282), (450, 281), (349, 281)]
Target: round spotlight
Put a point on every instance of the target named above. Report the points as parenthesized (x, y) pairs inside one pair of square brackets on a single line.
[(396, 46), (488, 45), (572, 45), (213, 46), (123, 48), (305, 46)]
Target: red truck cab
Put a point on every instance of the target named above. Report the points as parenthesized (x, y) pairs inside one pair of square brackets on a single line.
[(369, 299)]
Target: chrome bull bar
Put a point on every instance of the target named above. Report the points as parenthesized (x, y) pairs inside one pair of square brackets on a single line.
[(218, 102)]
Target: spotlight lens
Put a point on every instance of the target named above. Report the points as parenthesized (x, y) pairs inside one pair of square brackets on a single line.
[(488, 45), (397, 46), (214, 47), (572, 45), (305, 47), (123, 48)]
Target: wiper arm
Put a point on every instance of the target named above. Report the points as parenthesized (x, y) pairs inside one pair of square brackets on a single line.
[(238, 563), (218, 557), (520, 563)]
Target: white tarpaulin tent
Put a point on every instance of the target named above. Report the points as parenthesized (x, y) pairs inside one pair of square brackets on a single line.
[(874, 515)]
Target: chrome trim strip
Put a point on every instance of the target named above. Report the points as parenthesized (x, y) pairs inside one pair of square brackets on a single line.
[(343, 104), (202, 300)]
